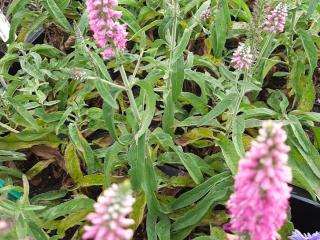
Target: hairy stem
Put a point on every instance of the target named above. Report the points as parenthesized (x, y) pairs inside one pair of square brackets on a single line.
[(173, 39), (239, 100), (129, 92)]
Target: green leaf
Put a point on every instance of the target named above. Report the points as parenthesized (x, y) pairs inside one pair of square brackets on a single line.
[(218, 233), (286, 230), (11, 156), (168, 115), (177, 78), (148, 114), (130, 19), (296, 75), (302, 173), (146, 28), (36, 230), (163, 227), (69, 207), (112, 155), (105, 93), (309, 48), (63, 118), (12, 143), (312, 6), (108, 116), (225, 103), (199, 191), (299, 133), (153, 3), (316, 132), (259, 112), (182, 45), (138, 210), (194, 135), (238, 127), (31, 135), (72, 220), (146, 14), (205, 238), (229, 152), (198, 76), (136, 159), (151, 225), (198, 103), (22, 111), (197, 16), (83, 22), (73, 163), (37, 24), (21, 226), (10, 172), (15, 6), (190, 162), (308, 97), (63, 4), (99, 63), (220, 28), (47, 51), (38, 167), (187, 159), (92, 180), (217, 195), (48, 196), (57, 14), (83, 146)]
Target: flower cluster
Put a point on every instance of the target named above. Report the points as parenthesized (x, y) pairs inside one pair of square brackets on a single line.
[(110, 221), (297, 235), (242, 58), (4, 226), (104, 22), (276, 19), (205, 15), (259, 204)]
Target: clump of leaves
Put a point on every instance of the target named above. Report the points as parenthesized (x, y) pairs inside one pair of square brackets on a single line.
[(169, 113)]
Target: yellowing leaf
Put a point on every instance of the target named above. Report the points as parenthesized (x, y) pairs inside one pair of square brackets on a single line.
[(73, 163)]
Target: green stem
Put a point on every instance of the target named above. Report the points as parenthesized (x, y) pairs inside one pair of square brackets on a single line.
[(3, 83), (292, 32), (108, 82), (138, 64), (129, 92), (262, 52), (168, 115), (173, 40), (8, 128), (239, 100)]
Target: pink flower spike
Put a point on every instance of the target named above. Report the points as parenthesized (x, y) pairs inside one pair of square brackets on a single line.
[(259, 204), (104, 22), (276, 19), (4, 226), (242, 58), (110, 221)]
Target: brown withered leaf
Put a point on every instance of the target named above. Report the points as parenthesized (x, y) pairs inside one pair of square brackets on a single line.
[(46, 152)]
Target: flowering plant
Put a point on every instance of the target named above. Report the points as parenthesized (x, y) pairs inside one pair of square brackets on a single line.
[(169, 96)]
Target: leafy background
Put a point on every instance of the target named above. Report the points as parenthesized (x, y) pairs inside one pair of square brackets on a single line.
[(68, 128)]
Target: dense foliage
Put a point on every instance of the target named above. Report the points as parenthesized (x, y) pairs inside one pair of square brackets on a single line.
[(170, 113)]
